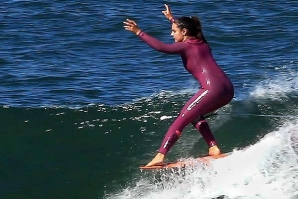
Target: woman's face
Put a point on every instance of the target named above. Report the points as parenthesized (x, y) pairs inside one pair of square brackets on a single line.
[(177, 33)]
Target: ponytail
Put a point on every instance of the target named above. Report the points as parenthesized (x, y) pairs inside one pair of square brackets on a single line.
[(193, 25), (198, 24)]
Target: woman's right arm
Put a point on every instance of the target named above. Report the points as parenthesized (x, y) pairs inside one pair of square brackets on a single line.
[(175, 48)]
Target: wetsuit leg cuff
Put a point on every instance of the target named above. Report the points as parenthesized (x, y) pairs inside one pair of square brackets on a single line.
[(163, 151)]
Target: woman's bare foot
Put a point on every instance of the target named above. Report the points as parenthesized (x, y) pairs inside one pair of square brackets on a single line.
[(214, 150), (157, 160)]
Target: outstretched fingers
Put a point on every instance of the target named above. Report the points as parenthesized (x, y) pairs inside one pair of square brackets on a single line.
[(131, 21), (128, 24), (131, 26), (167, 12), (167, 8)]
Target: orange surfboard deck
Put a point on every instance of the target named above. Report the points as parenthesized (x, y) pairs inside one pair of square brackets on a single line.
[(182, 164)]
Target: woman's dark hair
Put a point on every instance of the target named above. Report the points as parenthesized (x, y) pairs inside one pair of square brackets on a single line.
[(193, 25)]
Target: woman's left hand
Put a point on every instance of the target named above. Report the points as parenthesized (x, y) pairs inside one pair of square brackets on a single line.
[(132, 26), (167, 12)]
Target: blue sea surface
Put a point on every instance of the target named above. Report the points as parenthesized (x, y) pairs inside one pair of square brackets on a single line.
[(84, 102)]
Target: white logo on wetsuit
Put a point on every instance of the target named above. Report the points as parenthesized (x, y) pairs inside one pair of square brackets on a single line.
[(194, 103)]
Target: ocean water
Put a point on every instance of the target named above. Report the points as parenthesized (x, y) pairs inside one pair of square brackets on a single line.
[(84, 103)]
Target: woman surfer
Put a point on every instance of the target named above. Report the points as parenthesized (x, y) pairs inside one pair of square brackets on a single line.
[(216, 88)]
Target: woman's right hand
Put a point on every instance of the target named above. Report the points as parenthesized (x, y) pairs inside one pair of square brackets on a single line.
[(132, 26), (167, 12)]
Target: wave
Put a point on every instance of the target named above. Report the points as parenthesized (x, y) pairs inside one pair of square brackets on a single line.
[(261, 132), (267, 169)]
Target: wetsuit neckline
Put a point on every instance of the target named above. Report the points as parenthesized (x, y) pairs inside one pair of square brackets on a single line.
[(195, 40)]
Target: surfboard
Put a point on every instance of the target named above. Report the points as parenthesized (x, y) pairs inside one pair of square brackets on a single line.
[(186, 163)]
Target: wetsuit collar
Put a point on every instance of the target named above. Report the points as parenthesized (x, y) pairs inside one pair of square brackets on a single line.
[(193, 40)]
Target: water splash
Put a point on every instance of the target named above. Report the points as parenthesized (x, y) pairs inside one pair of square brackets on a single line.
[(267, 169)]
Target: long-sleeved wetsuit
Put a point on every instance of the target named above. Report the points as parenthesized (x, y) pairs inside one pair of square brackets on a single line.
[(216, 88)]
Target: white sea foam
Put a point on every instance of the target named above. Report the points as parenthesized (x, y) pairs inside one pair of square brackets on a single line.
[(275, 89), (265, 170)]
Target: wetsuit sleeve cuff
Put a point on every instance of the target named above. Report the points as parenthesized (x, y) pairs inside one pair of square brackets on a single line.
[(141, 34)]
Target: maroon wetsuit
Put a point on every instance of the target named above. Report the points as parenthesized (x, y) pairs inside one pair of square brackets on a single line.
[(216, 88)]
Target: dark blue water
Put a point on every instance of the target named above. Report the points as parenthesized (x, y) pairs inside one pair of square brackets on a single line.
[(84, 102)]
